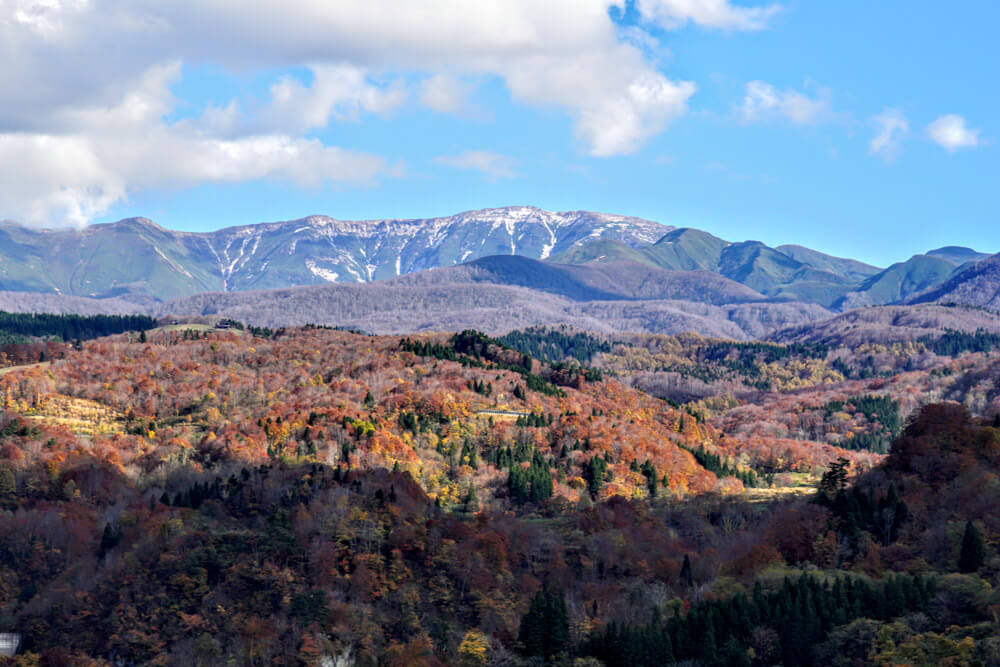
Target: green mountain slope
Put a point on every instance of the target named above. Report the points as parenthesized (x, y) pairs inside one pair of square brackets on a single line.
[(899, 282), (679, 250), (777, 275), (688, 249), (751, 263), (133, 256), (847, 268), (604, 250)]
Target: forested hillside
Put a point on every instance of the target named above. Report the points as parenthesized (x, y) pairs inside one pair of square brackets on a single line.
[(423, 405), (70, 327), (28, 338), (193, 496), (781, 408)]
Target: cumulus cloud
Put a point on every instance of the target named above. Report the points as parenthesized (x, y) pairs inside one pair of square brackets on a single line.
[(70, 66), (494, 165), (100, 154), (711, 13), (341, 92), (445, 93), (762, 102), (611, 118), (890, 127), (951, 133)]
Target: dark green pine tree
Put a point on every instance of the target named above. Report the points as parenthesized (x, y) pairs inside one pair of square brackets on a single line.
[(834, 479), (471, 502), (649, 471), (544, 630), (109, 539), (594, 471), (973, 551), (709, 641), (558, 623), (686, 577)]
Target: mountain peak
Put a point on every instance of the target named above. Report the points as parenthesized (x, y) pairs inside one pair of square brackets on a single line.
[(957, 254), (134, 223)]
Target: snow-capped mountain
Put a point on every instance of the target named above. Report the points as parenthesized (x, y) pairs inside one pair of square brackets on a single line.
[(317, 248), (138, 257)]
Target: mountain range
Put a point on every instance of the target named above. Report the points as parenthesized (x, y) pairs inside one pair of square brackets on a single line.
[(138, 257), (492, 269)]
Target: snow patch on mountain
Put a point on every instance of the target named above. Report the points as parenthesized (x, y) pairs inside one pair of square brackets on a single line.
[(319, 272)]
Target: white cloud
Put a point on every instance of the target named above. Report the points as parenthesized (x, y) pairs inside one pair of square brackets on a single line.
[(762, 102), (890, 126), (494, 165), (100, 154), (951, 133), (68, 64), (445, 93), (612, 117), (710, 13), (339, 91)]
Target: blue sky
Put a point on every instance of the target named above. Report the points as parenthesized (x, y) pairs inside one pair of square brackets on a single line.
[(772, 139)]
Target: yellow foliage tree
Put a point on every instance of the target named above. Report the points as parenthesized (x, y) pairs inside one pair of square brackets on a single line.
[(474, 649)]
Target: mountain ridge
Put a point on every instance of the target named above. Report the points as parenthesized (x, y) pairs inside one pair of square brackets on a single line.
[(97, 261), (577, 255), (973, 284)]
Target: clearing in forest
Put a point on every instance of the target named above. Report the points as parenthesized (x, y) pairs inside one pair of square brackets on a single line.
[(79, 415)]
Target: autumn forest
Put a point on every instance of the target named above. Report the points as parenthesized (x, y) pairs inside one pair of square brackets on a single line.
[(183, 493)]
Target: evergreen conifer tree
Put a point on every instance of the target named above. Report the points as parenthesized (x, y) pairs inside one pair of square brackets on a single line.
[(471, 502), (687, 578), (973, 551)]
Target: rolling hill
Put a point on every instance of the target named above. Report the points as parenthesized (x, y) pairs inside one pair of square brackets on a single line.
[(890, 324), (590, 282), (493, 294), (501, 293)]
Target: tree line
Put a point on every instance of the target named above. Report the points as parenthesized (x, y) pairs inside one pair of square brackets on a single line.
[(71, 327), (952, 343)]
